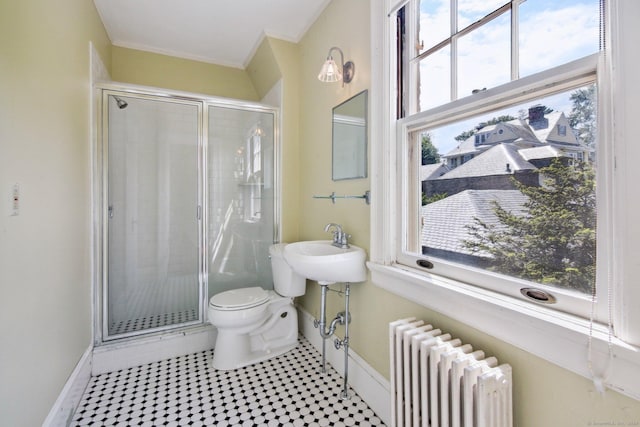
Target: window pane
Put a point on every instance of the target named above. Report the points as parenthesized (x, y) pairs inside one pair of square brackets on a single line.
[(553, 33), (434, 22), (434, 79), (469, 11), (484, 56), (514, 191)]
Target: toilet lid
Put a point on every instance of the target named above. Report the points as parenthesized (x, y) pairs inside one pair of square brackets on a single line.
[(239, 298)]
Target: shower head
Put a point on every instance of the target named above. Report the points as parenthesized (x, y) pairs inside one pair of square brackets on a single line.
[(122, 104)]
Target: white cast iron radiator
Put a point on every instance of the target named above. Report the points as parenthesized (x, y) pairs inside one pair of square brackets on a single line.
[(436, 381)]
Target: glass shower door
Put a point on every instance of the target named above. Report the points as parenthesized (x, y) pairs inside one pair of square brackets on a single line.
[(241, 194), (153, 225)]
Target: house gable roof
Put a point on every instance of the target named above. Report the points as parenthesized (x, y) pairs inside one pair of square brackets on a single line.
[(494, 161), (519, 131), (550, 133), (433, 171), (543, 152)]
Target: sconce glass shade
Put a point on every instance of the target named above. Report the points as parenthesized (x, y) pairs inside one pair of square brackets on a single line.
[(333, 72), (330, 71)]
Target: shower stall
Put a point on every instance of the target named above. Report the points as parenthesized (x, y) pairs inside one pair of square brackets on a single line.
[(186, 200)]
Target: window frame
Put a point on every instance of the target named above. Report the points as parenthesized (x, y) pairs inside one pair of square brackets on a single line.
[(558, 79), (581, 346)]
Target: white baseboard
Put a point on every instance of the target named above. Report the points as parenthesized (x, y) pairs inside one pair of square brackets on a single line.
[(69, 398), (124, 355), (372, 387)]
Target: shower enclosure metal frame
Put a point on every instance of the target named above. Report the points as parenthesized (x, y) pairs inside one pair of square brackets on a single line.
[(100, 164)]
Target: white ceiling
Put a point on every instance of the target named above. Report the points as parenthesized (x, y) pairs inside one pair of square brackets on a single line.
[(224, 32)]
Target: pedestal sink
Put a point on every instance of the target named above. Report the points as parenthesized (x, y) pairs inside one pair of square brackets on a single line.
[(319, 260), (322, 261)]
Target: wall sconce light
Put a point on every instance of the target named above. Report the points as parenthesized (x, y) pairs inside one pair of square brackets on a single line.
[(332, 72)]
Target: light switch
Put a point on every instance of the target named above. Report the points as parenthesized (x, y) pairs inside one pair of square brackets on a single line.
[(15, 200)]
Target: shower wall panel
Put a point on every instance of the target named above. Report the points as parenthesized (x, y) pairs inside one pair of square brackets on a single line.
[(240, 198)]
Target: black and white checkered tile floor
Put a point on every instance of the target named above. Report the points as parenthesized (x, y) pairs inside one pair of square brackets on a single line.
[(153, 321), (186, 391)]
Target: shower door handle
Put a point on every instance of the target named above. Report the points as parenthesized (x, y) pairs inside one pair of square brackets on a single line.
[(110, 211)]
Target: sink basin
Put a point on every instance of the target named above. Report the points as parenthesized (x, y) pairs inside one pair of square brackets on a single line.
[(319, 260)]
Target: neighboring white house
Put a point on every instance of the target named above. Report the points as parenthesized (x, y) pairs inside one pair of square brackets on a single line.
[(538, 130), (483, 170)]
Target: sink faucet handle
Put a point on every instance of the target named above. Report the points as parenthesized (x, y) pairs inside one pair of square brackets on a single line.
[(340, 238)]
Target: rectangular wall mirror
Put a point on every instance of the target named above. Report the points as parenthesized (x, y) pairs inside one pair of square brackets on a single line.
[(350, 138)]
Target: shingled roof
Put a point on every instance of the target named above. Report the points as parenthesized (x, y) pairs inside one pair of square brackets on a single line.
[(445, 221), (494, 161), (433, 171)]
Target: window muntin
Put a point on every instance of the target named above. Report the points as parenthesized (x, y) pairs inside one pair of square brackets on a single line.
[(429, 111), (491, 42)]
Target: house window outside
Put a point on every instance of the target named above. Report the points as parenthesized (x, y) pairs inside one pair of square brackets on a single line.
[(518, 212), (562, 130)]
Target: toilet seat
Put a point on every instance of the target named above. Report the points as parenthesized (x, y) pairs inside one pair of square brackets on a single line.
[(239, 299)]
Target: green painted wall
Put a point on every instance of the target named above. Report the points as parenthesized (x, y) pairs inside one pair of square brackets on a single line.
[(168, 72), (277, 60), (544, 394), (45, 251)]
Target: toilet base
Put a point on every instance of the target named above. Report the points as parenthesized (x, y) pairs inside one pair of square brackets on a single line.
[(277, 335)]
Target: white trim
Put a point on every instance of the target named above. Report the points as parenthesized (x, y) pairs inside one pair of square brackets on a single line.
[(370, 385), (509, 95), (98, 74), (557, 337), (69, 398), (625, 66), (560, 338), (140, 351), (382, 151)]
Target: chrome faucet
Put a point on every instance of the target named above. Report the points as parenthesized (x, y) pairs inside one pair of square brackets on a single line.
[(340, 238)]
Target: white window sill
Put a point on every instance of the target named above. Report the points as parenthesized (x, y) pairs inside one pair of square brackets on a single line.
[(559, 338)]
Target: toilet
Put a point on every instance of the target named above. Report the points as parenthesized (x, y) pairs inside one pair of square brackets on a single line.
[(255, 324)]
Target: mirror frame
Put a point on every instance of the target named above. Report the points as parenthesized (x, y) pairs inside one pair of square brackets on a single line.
[(350, 171)]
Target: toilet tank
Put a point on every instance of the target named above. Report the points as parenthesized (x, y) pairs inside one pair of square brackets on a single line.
[(286, 282)]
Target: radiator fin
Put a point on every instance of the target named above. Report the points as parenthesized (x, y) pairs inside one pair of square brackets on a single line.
[(436, 381)]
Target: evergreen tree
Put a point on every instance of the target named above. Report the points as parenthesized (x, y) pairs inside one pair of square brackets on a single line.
[(430, 155), (554, 241), (583, 114), (434, 198)]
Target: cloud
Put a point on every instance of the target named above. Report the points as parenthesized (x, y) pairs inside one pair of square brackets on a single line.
[(552, 37)]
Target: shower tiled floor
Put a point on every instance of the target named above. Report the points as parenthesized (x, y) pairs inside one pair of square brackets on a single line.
[(153, 321), (186, 391)]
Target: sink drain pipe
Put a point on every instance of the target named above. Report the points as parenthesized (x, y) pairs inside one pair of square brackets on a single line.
[(342, 318)]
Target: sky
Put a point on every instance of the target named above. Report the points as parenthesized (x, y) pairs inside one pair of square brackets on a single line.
[(551, 32)]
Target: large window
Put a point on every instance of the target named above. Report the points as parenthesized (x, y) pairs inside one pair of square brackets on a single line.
[(478, 256), (456, 48), (495, 193)]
